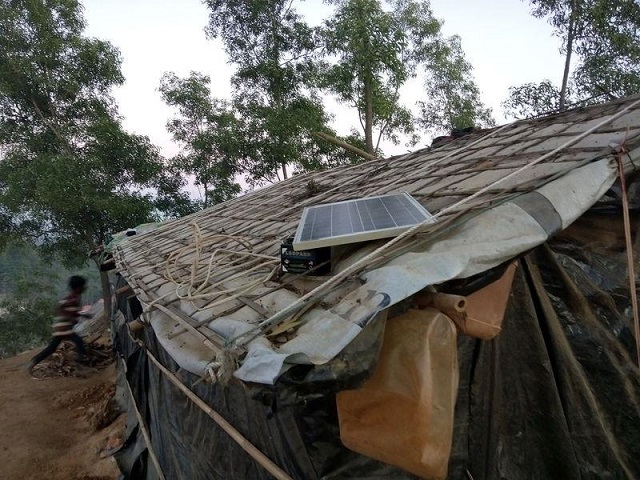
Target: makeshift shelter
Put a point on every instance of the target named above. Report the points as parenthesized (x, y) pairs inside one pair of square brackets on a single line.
[(234, 368)]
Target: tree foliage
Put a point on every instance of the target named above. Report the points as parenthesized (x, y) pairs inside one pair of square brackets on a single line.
[(69, 173), (453, 98), (532, 99), (209, 133), (610, 49), (275, 85), (377, 50), (29, 290), (601, 45), (25, 323), (373, 60)]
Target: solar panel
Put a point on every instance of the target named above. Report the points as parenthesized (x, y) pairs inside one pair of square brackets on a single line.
[(358, 220)]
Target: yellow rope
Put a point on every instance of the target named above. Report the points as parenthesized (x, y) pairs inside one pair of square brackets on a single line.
[(240, 264)]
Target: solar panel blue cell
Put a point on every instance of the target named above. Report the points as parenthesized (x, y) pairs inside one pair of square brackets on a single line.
[(379, 214), (402, 213), (355, 218), (367, 221), (307, 227), (358, 220), (416, 214), (321, 224), (340, 221)]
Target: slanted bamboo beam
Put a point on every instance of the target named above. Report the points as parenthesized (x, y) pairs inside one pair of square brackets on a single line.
[(121, 290), (345, 145), (184, 320), (630, 262), (143, 427), (240, 439)]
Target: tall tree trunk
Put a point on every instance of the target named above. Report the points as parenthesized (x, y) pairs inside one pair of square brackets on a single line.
[(567, 63), (106, 291), (368, 116), (276, 86), (104, 276), (106, 295)]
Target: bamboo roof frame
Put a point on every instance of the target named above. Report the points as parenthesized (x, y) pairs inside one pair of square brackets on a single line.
[(451, 180)]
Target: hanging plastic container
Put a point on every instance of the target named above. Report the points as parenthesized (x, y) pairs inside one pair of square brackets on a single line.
[(479, 314), (403, 415)]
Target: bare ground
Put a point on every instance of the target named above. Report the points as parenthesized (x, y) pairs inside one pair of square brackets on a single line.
[(60, 425)]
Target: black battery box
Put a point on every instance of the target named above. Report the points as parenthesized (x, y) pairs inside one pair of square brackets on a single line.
[(292, 261)]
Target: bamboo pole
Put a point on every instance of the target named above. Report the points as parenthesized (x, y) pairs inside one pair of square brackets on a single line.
[(122, 290), (627, 235), (177, 315), (345, 145), (245, 444), (320, 291), (143, 428), (547, 155)]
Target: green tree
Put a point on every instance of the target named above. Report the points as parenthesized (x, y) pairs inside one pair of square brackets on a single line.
[(377, 51), (275, 84), (25, 322), (69, 173), (532, 99), (453, 98), (567, 18), (171, 200), (28, 289), (601, 47), (610, 49), (209, 133), (374, 58)]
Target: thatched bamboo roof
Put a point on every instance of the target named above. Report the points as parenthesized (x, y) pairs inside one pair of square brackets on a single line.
[(222, 262)]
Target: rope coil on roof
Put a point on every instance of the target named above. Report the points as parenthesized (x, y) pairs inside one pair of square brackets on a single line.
[(230, 264)]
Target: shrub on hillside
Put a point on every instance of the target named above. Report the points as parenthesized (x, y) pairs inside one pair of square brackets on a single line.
[(24, 324)]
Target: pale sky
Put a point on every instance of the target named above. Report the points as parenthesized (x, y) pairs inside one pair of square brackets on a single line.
[(503, 42)]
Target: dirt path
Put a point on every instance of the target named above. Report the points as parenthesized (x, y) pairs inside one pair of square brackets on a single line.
[(47, 426)]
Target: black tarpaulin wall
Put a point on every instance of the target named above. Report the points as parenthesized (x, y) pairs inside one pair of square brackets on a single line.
[(554, 396)]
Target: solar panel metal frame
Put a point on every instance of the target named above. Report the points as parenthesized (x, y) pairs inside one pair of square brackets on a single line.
[(357, 236)]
